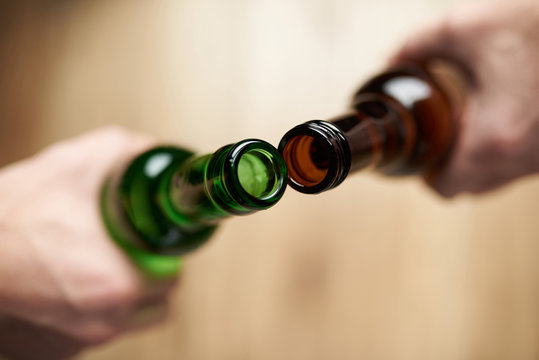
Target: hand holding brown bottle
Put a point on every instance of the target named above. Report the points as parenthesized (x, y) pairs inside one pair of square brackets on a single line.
[(496, 44)]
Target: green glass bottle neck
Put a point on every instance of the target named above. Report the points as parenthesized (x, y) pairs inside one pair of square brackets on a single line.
[(237, 179)]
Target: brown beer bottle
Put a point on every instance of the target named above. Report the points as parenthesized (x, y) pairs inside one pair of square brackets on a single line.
[(402, 122)]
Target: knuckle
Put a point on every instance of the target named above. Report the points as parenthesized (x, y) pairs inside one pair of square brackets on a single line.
[(96, 333), (449, 30), (108, 295), (120, 136), (53, 151), (444, 185), (121, 294), (115, 132), (505, 142), (456, 37), (470, 19), (498, 142), (446, 192)]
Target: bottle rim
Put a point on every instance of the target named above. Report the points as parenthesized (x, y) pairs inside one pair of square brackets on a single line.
[(337, 152), (276, 172)]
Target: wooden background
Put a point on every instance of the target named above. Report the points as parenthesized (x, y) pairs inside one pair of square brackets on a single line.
[(376, 269)]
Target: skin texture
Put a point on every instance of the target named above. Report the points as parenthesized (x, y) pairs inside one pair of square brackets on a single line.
[(496, 44), (74, 287)]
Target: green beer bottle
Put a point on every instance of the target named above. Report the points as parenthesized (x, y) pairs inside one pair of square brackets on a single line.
[(168, 201)]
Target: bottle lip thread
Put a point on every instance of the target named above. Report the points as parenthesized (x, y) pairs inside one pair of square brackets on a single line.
[(338, 154), (275, 166)]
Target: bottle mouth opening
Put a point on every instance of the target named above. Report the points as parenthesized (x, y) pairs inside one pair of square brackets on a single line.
[(316, 155), (257, 174), (308, 158)]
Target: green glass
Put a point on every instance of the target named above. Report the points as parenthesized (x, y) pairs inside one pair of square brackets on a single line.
[(168, 201)]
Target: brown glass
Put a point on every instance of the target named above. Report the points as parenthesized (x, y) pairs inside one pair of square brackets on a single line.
[(401, 122)]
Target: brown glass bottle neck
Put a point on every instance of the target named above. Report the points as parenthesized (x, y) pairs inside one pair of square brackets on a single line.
[(379, 132), (364, 139), (320, 154)]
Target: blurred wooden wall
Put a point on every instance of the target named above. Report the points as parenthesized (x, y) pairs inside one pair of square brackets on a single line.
[(376, 269)]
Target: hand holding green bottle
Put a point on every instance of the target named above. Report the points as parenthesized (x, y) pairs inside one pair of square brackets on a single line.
[(168, 201), (60, 271)]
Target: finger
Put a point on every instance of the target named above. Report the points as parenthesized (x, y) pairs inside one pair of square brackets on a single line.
[(22, 340), (461, 170), (450, 182), (154, 307), (151, 308), (88, 148), (159, 290), (149, 314), (98, 328), (434, 40), (438, 41), (109, 136)]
